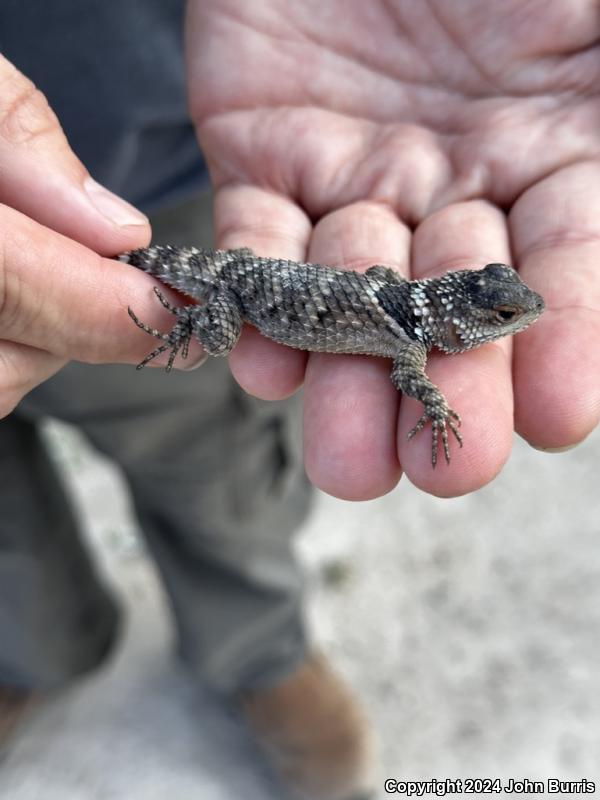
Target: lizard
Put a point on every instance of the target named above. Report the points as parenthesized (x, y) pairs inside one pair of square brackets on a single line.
[(318, 308)]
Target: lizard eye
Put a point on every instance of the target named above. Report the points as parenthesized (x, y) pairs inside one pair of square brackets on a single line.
[(506, 313)]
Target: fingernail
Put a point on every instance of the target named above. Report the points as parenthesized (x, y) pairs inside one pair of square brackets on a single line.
[(189, 366), (114, 208), (180, 364), (562, 449)]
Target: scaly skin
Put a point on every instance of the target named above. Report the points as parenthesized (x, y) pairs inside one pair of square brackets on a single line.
[(321, 309)]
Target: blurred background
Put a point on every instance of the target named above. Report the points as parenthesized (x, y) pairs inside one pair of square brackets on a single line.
[(469, 626)]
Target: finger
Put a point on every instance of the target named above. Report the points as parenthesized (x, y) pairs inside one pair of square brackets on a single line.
[(476, 384), (58, 296), (22, 368), (350, 404), (555, 229), (271, 225), (41, 176)]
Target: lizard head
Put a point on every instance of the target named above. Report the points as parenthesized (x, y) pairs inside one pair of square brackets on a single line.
[(479, 306)]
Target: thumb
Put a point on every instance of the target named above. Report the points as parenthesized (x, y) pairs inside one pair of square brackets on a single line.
[(41, 176)]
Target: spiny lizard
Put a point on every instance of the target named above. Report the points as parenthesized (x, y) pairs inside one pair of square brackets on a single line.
[(323, 309)]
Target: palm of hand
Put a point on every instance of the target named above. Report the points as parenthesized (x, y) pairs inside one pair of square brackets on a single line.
[(402, 134)]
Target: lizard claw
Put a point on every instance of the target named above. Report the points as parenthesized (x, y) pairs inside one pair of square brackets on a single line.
[(441, 420), (177, 340)]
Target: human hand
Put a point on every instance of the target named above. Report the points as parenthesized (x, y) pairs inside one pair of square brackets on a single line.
[(59, 300), (424, 137)]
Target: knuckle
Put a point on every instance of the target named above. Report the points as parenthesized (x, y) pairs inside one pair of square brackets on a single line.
[(22, 368), (24, 111), (4, 283), (10, 292), (8, 403), (3, 275), (13, 384)]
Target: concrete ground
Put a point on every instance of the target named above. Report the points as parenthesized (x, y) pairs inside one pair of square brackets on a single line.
[(469, 626)]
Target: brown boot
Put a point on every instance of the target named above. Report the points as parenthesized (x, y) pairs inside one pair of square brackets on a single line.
[(15, 704), (315, 734)]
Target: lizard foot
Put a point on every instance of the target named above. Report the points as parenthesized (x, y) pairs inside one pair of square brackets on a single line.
[(441, 420), (177, 340)]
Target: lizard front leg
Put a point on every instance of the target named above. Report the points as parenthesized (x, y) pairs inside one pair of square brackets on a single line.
[(408, 375), (216, 323)]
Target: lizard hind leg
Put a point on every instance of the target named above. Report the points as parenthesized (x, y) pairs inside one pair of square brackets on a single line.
[(216, 324), (178, 339)]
